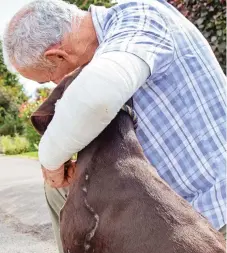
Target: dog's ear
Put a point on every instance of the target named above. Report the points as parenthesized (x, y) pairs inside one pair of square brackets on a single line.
[(41, 118)]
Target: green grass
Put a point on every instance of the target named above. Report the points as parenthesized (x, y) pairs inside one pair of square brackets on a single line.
[(33, 155)]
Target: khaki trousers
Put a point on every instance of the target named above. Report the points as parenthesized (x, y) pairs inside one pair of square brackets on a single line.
[(56, 199)]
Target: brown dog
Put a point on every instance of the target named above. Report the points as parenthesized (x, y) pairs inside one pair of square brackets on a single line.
[(119, 204)]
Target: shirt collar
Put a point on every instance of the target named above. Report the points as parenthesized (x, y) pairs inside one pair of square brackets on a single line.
[(98, 14)]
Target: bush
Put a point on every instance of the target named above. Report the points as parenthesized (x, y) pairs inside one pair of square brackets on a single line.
[(30, 133), (14, 145), (26, 110), (85, 4), (9, 109), (210, 18)]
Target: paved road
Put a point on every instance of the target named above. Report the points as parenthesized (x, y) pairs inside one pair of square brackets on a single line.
[(24, 219)]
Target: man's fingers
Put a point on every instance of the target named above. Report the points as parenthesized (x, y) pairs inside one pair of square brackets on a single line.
[(61, 177), (71, 171)]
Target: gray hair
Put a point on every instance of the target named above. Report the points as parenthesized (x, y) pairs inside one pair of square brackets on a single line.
[(36, 27)]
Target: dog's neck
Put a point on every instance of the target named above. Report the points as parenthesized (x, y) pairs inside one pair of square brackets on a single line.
[(117, 142)]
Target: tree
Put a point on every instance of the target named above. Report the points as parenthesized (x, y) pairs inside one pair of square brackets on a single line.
[(84, 4), (8, 78), (11, 96), (26, 111), (210, 18)]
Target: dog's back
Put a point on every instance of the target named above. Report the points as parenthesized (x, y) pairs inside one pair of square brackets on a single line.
[(118, 203)]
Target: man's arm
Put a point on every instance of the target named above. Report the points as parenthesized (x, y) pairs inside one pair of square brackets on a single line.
[(89, 104)]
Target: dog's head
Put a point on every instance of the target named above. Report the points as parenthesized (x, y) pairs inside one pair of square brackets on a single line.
[(43, 115)]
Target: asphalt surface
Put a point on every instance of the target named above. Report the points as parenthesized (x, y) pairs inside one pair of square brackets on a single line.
[(25, 225)]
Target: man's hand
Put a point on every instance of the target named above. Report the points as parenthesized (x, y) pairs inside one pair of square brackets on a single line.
[(61, 177)]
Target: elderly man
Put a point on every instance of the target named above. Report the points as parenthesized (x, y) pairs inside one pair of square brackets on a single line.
[(144, 49)]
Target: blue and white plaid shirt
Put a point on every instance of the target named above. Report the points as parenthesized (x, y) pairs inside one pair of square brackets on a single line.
[(181, 107)]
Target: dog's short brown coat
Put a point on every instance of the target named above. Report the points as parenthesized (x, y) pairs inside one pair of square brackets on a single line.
[(119, 204)]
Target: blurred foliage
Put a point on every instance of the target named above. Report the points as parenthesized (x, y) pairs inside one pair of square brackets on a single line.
[(84, 4), (42, 93), (9, 78), (210, 18), (14, 145), (11, 96), (16, 109), (26, 110)]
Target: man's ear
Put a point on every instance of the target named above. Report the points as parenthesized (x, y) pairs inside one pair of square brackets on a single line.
[(55, 55)]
